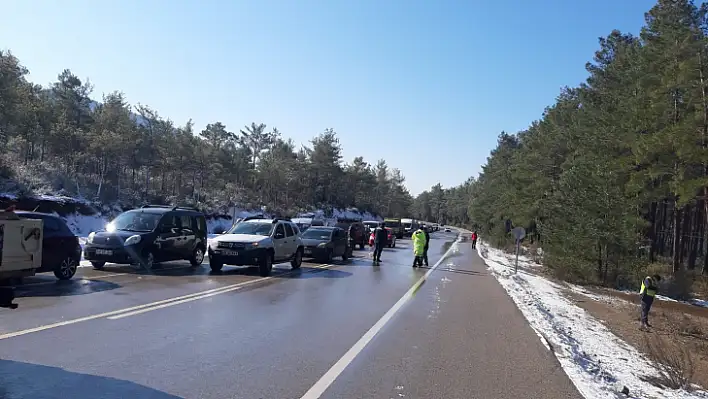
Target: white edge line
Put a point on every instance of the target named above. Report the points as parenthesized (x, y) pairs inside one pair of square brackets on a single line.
[(316, 391), (134, 308)]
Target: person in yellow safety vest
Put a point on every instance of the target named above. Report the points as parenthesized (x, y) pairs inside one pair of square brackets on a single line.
[(650, 286), (418, 247)]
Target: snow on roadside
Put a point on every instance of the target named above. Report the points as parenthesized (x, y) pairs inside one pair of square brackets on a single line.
[(598, 362)]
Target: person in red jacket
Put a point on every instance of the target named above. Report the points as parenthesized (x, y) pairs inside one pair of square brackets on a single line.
[(474, 239)]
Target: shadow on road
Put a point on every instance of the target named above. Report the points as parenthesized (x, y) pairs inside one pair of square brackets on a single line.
[(20, 380), (63, 288), (313, 272), (284, 272)]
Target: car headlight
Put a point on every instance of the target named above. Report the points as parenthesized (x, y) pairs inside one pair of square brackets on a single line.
[(253, 244), (322, 245), (132, 240), (90, 237)]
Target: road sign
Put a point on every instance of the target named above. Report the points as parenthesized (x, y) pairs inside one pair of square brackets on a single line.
[(519, 233)]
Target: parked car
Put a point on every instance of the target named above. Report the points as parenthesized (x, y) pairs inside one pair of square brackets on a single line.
[(149, 235), (325, 243), (391, 241), (258, 242), (391, 237), (305, 223), (61, 250), (357, 232)]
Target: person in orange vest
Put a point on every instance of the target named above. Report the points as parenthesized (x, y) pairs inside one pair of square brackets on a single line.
[(650, 286)]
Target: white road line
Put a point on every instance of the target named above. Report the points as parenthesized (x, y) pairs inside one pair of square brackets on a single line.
[(335, 371), (206, 295), (141, 311), (134, 308)]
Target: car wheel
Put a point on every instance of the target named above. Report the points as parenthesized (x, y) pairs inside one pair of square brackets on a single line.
[(67, 269), (197, 257), (215, 265), (266, 266), (297, 260), (98, 265)]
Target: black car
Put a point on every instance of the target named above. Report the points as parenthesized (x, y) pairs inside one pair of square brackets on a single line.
[(150, 235), (325, 243), (61, 251)]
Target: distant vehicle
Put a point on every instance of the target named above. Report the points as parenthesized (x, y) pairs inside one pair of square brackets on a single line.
[(447, 230), (305, 223), (149, 235), (395, 225), (409, 226), (258, 242), (325, 243), (61, 250), (391, 238), (356, 230), (371, 224)]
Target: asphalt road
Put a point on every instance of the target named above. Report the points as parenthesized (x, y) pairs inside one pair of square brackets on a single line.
[(345, 330)]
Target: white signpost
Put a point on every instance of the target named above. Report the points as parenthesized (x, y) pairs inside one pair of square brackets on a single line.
[(519, 233)]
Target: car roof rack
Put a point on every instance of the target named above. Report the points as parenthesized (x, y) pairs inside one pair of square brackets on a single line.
[(173, 207), (252, 218), (276, 220), (186, 208)]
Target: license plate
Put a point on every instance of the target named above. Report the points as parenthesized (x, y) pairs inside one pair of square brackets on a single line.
[(230, 253), (308, 252), (104, 252)]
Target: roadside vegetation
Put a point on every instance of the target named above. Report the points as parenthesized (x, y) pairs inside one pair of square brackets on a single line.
[(58, 140), (612, 181)]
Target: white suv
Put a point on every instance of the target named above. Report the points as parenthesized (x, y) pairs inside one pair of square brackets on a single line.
[(257, 242)]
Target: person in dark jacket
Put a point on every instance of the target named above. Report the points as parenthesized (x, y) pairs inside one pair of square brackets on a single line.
[(427, 244), (650, 287), (380, 241)]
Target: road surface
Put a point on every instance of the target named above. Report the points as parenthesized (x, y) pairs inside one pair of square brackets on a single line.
[(345, 330)]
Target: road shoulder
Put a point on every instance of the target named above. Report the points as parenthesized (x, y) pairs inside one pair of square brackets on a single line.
[(461, 336)]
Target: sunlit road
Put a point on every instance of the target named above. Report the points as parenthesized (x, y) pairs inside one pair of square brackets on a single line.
[(346, 330)]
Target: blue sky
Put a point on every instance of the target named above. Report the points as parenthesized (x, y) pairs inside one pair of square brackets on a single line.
[(426, 85)]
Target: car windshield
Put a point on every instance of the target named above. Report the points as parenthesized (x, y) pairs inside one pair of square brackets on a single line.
[(393, 224), (135, 221), (317, 234), (256, 228)]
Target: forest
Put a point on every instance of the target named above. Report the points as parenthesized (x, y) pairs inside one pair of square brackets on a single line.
[(58, 140), (612, 181)]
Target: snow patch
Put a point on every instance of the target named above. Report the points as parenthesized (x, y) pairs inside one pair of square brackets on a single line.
[(598, 362)]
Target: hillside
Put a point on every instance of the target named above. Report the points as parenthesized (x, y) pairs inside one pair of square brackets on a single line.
[(59, 141)]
